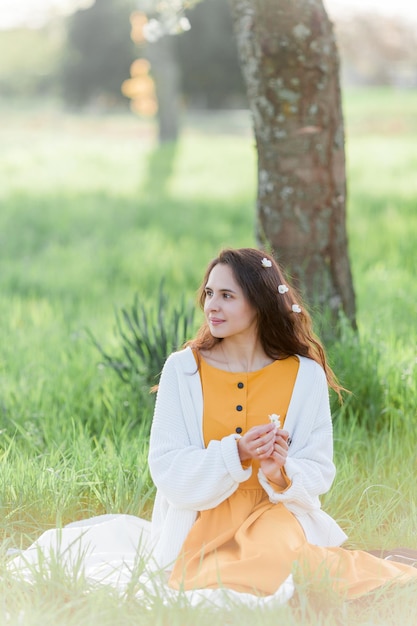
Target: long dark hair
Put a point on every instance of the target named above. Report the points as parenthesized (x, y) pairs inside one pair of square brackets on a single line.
[(283, 331)]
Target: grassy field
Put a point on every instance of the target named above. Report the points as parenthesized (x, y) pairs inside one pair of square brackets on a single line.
[(91, 214)]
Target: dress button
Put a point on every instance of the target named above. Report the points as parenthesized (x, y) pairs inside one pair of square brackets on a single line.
[(238, 430), (240, 385), (239, 407)]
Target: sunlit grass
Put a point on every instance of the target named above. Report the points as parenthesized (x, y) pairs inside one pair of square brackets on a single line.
[(383, 231)]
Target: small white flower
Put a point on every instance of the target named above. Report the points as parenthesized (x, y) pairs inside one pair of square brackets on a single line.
[(275, 419), (296, 308), (153, 30), (282, 288), (266, 262), (184, 24)]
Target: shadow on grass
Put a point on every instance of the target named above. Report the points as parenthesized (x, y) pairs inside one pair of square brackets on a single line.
[(161, 162)]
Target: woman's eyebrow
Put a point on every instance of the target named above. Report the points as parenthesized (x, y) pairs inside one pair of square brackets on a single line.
[(225, 290)]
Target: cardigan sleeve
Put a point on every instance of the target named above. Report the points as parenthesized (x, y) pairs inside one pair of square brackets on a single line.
[(309, 464), (187, 474)]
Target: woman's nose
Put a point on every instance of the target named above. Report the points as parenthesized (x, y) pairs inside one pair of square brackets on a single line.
[(213, 304)]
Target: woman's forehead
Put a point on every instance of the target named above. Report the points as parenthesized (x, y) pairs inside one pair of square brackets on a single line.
[(221, 273)]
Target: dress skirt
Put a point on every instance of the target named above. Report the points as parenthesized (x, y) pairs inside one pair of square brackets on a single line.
[(250, 545)]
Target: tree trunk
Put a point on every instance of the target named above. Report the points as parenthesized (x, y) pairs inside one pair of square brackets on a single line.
[(166, 74), (290, 64)]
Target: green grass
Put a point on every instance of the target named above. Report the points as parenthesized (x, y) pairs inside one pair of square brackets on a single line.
[(91, 213)]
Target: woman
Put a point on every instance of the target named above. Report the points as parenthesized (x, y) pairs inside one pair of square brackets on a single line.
[(241, 445), (240, 451)]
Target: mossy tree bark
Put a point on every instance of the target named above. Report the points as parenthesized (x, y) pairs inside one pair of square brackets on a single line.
[(290, 63)]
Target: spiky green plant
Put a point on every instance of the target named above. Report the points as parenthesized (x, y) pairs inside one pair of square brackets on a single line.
[(148, 333)]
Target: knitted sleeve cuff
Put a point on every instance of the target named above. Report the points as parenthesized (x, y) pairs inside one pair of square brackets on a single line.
[(232, 461)]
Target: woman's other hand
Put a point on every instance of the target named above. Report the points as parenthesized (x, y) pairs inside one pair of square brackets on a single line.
[(273, 464)]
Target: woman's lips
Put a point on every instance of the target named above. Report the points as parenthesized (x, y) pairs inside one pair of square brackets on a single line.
[(214, 321)]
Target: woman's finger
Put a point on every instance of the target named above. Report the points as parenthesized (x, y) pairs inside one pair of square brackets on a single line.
[(264, 449)]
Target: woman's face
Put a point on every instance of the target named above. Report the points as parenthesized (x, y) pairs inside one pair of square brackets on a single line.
[(228, 312)]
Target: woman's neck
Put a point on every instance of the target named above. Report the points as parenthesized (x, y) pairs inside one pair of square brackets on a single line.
[(235, 356)]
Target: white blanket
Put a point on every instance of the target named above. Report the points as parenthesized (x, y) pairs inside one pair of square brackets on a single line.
[(116, 550)]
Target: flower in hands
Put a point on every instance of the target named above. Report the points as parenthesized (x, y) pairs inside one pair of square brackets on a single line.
[(275, 419)]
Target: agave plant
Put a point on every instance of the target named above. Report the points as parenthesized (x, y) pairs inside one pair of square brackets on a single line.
[(148, 334)]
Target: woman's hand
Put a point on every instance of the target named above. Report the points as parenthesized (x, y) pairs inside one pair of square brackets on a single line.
[(273, 464), (258, 443)]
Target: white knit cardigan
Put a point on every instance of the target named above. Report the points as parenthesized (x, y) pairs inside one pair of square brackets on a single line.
[(191, 477)]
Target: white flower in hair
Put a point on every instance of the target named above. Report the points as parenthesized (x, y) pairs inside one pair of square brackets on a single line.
[(266, 262), (275, 419), (296, 308), (282, 288)]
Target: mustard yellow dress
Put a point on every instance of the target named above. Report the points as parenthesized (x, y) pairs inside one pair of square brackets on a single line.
[(247, 543)]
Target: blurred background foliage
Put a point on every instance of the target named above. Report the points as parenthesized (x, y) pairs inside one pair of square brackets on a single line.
[(82, 59)]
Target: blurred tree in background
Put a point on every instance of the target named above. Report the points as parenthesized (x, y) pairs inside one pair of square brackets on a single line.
[(98, 53), (156, 90), (206, 62), (200, 69), (211, 76)]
